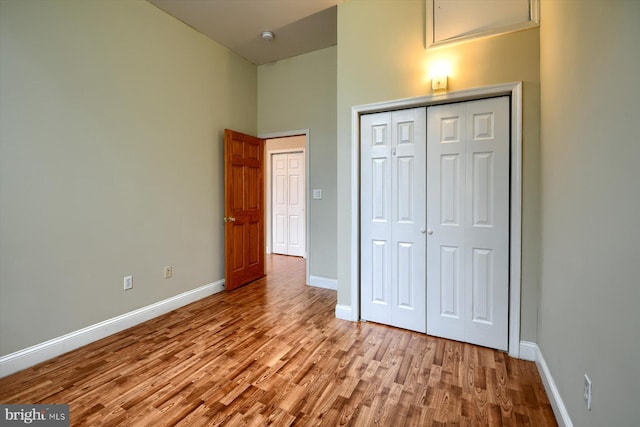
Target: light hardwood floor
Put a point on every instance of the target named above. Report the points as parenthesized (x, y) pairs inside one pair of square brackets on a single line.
[(273, 353)]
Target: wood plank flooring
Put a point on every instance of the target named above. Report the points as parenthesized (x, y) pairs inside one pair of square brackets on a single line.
[(273, 353)]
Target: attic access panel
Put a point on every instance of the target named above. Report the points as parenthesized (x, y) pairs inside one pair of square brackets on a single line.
[(453, 21)]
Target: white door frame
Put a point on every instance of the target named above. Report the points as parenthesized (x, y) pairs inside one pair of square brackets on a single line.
[(514, 90), (305, 150)]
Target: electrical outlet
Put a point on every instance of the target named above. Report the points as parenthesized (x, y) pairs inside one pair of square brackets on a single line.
[(587, 391), (128, 283), (168, 272)]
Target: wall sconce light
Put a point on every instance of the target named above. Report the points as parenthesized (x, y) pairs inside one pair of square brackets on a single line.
[(439, 82), (439, 72)]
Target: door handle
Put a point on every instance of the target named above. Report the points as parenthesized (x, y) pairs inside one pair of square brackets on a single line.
[(229, 219), (427, 230)]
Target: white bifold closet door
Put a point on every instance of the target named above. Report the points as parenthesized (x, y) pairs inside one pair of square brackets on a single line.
[(393, 217), (288, 174), (468, 221)]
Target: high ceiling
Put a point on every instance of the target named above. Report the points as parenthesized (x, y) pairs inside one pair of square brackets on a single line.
[(300, 26)]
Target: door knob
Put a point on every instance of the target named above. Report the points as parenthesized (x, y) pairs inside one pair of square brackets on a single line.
[(428, 231), (229, 219)]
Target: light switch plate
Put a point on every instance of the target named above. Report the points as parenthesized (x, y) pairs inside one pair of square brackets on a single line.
[(317, 193)]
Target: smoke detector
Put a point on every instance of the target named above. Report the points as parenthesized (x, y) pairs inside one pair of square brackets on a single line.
[(267, 35)]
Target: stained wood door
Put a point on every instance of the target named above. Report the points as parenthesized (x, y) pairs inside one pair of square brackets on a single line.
[(288, 201), (393, 217), (244, 208), (468, 221)]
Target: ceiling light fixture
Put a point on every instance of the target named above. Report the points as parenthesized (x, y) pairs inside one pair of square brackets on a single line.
[(267, 35)]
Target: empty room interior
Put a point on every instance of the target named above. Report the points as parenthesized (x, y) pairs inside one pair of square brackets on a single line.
[(324, 212)]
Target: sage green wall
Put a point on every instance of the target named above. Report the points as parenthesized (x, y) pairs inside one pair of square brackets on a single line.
[(300, 93), (590, 257), (111, 122), (382, 56)]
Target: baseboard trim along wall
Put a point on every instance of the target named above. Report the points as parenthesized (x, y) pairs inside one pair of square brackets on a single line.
[(344, 312), (531, 351), (323, 282), (528, 351), (33, 355)]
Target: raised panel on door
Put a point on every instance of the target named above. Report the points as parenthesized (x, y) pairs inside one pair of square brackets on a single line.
[(254, 247), (294, 225), (408, 178), (280, 233), (378, 287), (468, 218), (482, 280), (375, 218)]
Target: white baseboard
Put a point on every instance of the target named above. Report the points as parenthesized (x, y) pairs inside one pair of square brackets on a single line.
[(528, 349), (323, 282), (33, 355), (344, 312)]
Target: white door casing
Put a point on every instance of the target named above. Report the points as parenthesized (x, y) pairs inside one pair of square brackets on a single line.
[(393, 182), (288, 198), (468, 221)]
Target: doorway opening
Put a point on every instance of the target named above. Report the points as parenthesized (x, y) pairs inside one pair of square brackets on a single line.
[(286, 196), (287, 227)]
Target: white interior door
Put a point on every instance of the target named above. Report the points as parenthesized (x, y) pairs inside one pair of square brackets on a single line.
[(288, 219), (393, 214), (468, 221)]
